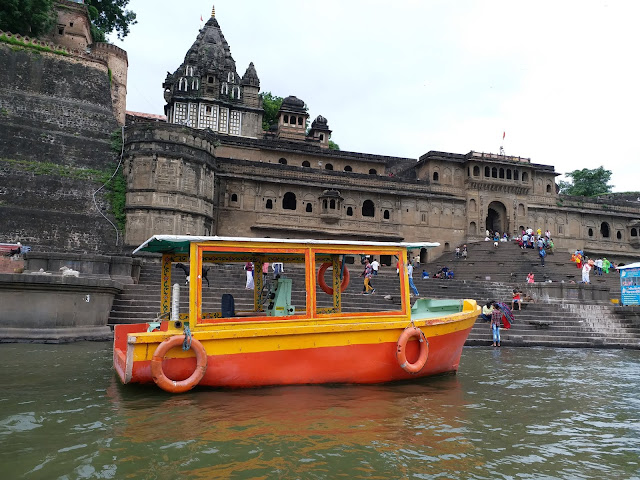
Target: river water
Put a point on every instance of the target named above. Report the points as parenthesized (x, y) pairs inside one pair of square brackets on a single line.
[(521, 413)]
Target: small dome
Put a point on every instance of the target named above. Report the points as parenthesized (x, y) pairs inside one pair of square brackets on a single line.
[(320, 123), (293, 104)]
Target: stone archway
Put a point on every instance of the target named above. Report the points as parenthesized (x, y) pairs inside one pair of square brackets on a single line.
[(497, 219)]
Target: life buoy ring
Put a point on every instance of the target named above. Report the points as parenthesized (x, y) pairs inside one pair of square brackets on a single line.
[(165, 382), (401, 353), (323, 285)]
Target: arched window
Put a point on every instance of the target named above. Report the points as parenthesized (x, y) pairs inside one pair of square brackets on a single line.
[(604, 230), (328, 166), (292, 120), (525, 177), (224, 89), (332, 204), (306, 164), (188, 71), (472, 228), (309, 208), (373, 171), (194, 84), (386, 215), (548, 188), (347, 168), (209, 79), (234, 197), (487, 172), (286, 119), (282, 161), (634, 232), (516, 175), (501, 173), (436, 176), (368, 209), (182, 84), (619, 235), (476, 171), (508, 174), (324, 204), (300, 121), (494, 172), (289, 201), (269, 204), (231, 77), (349, 212), (321, 137), (590, 232)]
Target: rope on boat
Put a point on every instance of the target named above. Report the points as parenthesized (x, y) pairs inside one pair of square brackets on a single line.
[(186, 345)]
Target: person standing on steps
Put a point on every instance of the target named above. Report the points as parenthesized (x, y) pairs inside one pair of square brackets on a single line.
[(367, 274), (543, 253), (496, 315), (585, 272), (375, 266), (410, 275)]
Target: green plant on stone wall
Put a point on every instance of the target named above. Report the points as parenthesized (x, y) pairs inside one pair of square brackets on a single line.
[(18, 45), (115, 189), (116, 194), (110, 75), (4, 112)]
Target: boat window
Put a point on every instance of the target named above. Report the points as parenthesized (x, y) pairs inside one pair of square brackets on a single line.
[(352, 285)]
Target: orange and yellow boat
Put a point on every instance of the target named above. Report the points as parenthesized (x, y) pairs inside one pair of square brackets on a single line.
[(296, 328)]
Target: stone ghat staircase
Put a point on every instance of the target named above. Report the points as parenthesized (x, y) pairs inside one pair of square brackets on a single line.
[(562, 325), (558, 325), (509, 264)]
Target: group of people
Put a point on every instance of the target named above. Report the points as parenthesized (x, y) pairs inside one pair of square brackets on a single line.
[(599, 266), (249, 267), (496, 314), (496, 237), (462, 252)]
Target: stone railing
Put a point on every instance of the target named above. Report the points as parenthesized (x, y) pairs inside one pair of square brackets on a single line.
[(558, 292), (125, 270)]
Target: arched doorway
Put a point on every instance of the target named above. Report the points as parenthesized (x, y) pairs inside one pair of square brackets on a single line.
[(497, 220)]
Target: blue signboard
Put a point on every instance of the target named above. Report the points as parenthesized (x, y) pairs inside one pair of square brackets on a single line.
[(630, 285)]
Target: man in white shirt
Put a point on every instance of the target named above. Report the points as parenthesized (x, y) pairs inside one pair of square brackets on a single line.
[(375, 265)]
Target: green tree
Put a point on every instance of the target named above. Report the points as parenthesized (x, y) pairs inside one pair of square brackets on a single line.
[(32, 18), (108, 16), (271, 105), (333, 145), (587, 182)]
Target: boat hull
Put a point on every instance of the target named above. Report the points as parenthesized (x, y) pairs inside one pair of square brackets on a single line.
[(356, 357)]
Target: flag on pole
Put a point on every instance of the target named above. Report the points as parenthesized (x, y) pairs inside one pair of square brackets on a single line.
[(503, 134), (201, 18)]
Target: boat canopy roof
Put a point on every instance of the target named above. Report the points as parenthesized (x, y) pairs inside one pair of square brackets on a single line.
[(631, 265), (180, 243)]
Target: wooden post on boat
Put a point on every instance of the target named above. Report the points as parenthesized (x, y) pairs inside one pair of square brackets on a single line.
[(165, 282), (257, 285), (337, 294)]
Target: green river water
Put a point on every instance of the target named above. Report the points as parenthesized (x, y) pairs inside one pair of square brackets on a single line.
[(520, 413)]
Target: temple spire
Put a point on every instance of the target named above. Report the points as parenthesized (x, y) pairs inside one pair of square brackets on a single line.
[(213, 11)]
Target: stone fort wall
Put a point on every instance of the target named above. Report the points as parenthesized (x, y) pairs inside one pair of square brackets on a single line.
[(56, 120)]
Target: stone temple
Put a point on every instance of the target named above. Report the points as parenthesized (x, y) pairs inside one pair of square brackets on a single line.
[(211, 169)]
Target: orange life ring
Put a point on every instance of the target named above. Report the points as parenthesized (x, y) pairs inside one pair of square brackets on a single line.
[(165, 382), (323, 285), (401, 354)]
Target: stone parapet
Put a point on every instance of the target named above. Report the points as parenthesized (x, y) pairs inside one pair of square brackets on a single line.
[(558, 292), (125, 270), (53, 309)]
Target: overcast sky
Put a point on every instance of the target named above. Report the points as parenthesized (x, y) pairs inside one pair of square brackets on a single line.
[(560, 78)]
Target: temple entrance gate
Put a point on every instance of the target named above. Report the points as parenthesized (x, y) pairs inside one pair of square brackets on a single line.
[(497, 219)]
